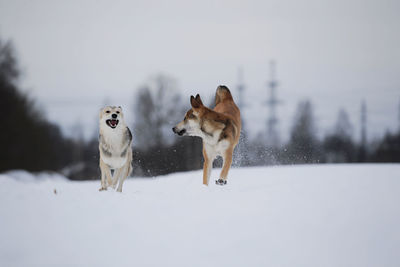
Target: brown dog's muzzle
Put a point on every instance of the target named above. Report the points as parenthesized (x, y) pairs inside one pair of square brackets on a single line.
[(180, 133)]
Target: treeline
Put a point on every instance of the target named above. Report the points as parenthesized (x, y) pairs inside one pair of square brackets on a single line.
[(27, 139), (304, 146), (32, 143), (159, 106)]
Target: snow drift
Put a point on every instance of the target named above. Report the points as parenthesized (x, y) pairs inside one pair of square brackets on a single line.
[(325, 215)]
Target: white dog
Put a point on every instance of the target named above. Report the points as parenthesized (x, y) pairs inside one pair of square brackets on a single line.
[(115, 141)]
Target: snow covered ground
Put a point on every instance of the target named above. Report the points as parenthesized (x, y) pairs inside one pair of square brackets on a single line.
[(325, 215)]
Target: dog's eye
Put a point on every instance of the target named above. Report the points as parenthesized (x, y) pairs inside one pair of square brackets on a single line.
[(107, 111), (191, 116), (117, 112)]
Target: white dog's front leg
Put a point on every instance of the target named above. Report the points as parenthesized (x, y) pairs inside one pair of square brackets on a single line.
[(103, 181), (105, 173), (122, 177), (117, 175)]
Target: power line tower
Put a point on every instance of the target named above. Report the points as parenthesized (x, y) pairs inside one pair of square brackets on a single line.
[(363, 134), (363, 124), (272, 103)]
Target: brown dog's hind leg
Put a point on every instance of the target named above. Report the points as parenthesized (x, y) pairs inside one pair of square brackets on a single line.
[(226, 166)]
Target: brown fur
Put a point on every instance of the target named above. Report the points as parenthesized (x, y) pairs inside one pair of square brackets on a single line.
[(223, 120)]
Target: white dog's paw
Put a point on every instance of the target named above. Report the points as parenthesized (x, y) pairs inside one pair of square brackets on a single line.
[(102, 189)]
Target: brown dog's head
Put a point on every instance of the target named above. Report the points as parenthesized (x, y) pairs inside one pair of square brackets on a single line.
[(191, 123)]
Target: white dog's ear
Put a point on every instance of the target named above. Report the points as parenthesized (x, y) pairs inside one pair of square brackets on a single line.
[(120, 107)]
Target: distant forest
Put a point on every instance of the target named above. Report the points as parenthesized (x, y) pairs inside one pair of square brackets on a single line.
[(30, 142)]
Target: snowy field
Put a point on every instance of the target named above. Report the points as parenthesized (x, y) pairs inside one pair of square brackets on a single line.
[(326, 215)]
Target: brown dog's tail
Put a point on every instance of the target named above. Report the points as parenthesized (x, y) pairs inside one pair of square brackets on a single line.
[(222, 94)]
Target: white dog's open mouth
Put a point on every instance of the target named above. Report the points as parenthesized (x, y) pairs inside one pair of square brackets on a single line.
[(112, 123)]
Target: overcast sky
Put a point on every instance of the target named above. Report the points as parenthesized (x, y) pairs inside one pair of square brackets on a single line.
[(76, 54)]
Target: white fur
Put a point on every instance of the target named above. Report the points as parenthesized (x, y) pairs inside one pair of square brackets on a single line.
[(114, 140), (193, 129), (212, 145), (217, 149)]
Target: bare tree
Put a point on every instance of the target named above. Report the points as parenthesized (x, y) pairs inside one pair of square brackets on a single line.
[(303, 145), (343, 127), (157, 107), (338, 145), (144, 121)]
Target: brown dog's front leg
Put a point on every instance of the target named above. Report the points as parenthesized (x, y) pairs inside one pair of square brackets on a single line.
[(206, 167), (227, 164)]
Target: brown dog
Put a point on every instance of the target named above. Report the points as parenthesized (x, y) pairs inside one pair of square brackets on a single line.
[(219, 128)]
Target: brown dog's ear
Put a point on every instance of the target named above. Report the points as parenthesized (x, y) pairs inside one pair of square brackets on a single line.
[(194, 102), (198, 99)]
